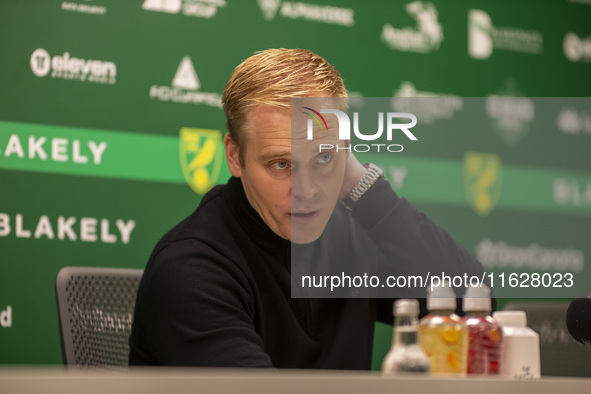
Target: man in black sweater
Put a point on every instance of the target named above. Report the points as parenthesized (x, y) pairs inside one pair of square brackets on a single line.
[(217, 290)]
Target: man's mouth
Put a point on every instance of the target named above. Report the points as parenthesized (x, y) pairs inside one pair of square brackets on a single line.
[(303, 217)]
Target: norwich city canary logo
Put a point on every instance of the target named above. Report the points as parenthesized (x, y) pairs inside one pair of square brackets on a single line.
[(482, 181), (201, 153)]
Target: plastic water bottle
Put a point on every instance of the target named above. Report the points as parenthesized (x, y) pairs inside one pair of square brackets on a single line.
[(484, 333), (520, 351), (442, 333), (406, 354)]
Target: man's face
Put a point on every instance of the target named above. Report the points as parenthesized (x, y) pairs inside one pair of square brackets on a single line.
[(292, 185)]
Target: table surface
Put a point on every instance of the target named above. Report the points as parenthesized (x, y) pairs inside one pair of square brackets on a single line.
[(190, 380)]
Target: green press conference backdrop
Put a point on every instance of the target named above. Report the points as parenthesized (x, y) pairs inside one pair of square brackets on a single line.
[(111, 127)]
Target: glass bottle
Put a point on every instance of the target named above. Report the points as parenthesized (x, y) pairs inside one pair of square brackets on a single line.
[(406, 354)]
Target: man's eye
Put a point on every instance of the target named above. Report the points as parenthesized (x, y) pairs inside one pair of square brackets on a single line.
[(280, 165), (325, 158)]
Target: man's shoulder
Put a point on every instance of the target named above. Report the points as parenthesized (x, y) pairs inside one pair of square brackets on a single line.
[(208, 223), (202, 241)]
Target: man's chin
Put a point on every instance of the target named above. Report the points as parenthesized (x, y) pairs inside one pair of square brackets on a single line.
[(303, 239), (306, 234)]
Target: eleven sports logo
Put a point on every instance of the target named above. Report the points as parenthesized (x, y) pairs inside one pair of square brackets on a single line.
[(344, 125), (69, 67)]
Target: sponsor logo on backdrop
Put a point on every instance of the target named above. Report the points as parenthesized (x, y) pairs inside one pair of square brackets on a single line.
[(552, 332), (512, 113), (185, 88), (344, 130), (186, 77), (355, 99), (577, 49), (6, 317), (483, 37), (76, 151), (570, 121), (311, 12), (535, 257), (84, 8), (572, 192), (201, 155), (396, 175), (197, 8), (269, 8), (426, 36), (427, 106), (85, 229), (482, 175), (67, 66)]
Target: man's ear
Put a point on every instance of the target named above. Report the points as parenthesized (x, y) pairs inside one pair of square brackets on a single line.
[(232, 156)]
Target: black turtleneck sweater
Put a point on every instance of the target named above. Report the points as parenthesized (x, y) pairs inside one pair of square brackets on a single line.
[(217, 288)]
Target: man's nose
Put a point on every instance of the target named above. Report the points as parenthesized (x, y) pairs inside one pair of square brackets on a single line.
[(303, 184)]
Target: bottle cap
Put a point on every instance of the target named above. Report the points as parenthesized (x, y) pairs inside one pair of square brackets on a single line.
[(477, 299), (511, 318), (406, 307), (441, 297)]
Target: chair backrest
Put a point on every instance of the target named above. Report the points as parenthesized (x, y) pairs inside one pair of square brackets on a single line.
[(95, 310), (560, 354)]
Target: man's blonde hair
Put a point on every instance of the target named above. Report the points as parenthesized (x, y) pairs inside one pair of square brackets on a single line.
[(273, 77)]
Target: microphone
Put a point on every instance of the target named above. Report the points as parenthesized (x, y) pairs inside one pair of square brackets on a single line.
[(578, 319)]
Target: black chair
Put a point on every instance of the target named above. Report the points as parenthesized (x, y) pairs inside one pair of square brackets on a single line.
[(560, 354), (95, 309)]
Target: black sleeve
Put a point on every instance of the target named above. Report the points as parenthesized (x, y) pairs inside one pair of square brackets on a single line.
[(195, 308), (410, 242)]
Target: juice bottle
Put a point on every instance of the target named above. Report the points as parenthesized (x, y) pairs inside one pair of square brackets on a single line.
[(484, 333), (406, 354), (443, 334)]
